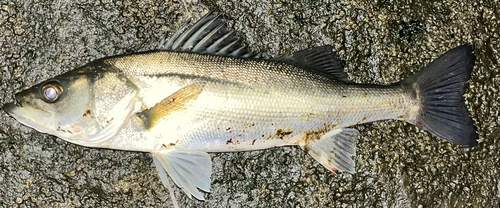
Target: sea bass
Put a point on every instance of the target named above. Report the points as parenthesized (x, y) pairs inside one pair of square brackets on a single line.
[(202, 91)]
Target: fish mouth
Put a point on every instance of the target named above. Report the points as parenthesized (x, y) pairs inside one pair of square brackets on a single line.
[(27, 115), (10, 108)]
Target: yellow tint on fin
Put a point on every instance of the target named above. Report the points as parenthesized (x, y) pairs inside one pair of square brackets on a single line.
[(176, 102), (335, 150)]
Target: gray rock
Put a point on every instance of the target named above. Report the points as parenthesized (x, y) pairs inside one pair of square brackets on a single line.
[(381, 42)]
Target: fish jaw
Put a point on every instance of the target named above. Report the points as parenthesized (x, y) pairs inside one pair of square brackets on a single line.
[(42, 121), (76, 133), (31, 117)]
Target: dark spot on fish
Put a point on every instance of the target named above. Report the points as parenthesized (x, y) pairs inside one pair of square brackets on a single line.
[(280, 133), (314, 135), (262, 135), (247, 126), (361, 120), (308, 114), (339, 120), (87, 113), (366, 95), (169, 145), (400, 116), (334, 170), (306, 149), (110, 120), (228, 129), (343, 96), (230, 141), (418, 124), (253, 142), (63, 130)]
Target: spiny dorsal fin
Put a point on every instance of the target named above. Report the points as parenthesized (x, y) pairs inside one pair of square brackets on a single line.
[(320, 58), (209, 35)]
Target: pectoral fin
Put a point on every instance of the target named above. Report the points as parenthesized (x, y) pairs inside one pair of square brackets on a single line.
[(335, 149), (178, 101), (190, 170)]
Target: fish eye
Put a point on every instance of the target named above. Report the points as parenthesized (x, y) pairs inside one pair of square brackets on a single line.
[(51, 91)]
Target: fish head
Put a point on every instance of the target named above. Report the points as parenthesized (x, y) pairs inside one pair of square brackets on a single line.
[(85, 106)]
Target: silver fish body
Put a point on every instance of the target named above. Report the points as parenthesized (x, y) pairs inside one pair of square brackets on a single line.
[(275, 104), (203, 92)]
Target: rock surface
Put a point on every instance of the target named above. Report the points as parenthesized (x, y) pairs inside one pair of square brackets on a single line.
[(381, 42)]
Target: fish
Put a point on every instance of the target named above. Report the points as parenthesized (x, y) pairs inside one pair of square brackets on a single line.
[(203, 91)]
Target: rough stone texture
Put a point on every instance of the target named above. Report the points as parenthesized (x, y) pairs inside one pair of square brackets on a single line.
[(380, 41)]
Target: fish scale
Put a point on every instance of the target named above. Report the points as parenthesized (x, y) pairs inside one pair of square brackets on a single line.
[(280, 104)]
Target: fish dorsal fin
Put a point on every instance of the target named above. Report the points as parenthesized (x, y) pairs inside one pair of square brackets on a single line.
[(321, 59), (209, 35)]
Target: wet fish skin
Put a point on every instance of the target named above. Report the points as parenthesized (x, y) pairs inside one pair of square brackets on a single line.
[(284, 99), (204, 92), (92, 103)]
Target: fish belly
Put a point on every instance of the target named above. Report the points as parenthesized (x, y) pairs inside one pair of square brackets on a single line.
[(229, 117)]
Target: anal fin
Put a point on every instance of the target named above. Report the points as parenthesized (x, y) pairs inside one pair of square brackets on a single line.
[(190, 170), (335, 150)]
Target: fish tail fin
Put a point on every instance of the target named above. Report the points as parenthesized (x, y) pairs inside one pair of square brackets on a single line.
[(439, 90)]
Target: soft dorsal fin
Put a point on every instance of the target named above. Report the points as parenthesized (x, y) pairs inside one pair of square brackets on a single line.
[(320, 58), (209, 35)]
